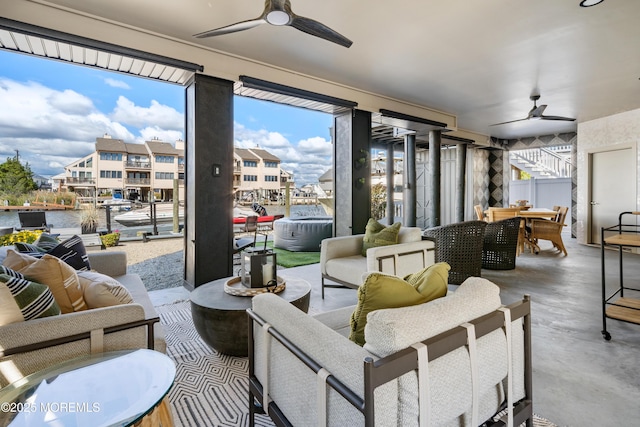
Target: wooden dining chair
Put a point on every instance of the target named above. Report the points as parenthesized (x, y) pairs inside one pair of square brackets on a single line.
[(562, 213), (543, 229), (479, 213)]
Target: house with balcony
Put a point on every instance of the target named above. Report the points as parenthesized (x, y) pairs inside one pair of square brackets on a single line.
[(256, 175), (137, 171)]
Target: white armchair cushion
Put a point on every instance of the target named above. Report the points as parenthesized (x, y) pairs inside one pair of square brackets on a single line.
[(391, 330)]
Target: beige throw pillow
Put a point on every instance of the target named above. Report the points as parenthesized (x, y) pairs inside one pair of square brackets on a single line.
[(101, 290), (59, 276)]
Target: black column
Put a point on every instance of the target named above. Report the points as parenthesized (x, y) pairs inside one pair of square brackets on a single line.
[(390, 175), (352, 172), (409, 192), (208, 180), (461, 167), (435, 139)]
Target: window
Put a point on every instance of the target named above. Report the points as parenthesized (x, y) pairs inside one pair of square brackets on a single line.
[(251, 163), (111, 174), (271, 178), (164, 175), (250, 178), (111, 156), (74, 174), (90, 162), (81, 164), (181, 160), (271, 164), (165, 159)]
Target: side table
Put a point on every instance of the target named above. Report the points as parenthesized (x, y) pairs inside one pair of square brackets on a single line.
[(221, 319), (113, 388)]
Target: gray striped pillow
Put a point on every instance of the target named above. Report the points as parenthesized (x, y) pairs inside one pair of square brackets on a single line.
[(32, 300)]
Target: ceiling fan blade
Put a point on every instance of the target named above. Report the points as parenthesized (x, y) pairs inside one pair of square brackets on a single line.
[(233, 28), (318, 29), (510, 121), (566, 119), (537, 111)]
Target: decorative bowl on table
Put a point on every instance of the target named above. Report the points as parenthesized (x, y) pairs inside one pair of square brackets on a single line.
[(234, 286)]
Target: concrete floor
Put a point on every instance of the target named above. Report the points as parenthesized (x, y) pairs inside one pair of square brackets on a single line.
[(579, 378)]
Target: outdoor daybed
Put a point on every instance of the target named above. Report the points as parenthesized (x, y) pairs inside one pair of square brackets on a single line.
[(447, 362), (32, 345)]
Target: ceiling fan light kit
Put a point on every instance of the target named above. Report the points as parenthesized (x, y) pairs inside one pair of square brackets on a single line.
[(589, 3), (279, 13)]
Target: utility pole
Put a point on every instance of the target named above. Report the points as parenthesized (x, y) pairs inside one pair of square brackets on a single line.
[(17, 155)]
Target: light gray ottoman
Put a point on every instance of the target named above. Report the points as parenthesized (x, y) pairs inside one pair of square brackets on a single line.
[(302, 234)]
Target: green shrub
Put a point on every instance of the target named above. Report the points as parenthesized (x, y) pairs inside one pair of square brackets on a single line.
[(21, 236), (111, 239)]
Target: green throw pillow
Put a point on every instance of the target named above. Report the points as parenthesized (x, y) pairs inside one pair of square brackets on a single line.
[(22, 300), (376, 234), (431, 281), (46, 242), (377, 292)]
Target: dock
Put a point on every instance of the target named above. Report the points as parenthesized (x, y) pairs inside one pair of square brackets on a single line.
[(43, 207)]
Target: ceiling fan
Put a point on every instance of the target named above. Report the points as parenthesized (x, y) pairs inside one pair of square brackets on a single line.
[(278, 12), (536, 114)]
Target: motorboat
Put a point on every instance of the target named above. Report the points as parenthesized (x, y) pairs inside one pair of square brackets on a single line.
[(164, 215)]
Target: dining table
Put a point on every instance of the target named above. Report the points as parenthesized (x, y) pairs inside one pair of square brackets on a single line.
[(538, 213)]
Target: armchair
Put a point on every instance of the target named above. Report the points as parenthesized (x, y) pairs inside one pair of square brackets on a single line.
[(500, 246), (543, 229), (391, 381), (459, 245), (341, 259)]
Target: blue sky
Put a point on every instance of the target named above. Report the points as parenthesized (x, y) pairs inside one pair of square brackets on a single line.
[(52, 112)]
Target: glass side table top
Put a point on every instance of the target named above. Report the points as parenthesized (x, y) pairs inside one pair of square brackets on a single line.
[(108, 389)]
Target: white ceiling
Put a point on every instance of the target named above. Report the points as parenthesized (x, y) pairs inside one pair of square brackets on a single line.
[(479, 60)]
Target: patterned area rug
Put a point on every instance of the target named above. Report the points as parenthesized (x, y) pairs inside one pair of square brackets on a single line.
[(211, 389)]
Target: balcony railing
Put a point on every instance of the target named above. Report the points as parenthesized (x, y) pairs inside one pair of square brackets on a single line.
[(137, 165), (137, 181), (80, 180)]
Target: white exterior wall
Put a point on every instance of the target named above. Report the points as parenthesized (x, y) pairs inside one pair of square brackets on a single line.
[(163, 167), (110, 165), (618, 130)]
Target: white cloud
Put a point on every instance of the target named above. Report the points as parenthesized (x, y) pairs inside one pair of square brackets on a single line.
[(116, 83), (156, 114), (308, 159), (165, 135), (53, 128)]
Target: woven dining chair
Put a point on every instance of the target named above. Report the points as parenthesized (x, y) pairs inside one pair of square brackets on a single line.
[(459, 245), (500, 246)]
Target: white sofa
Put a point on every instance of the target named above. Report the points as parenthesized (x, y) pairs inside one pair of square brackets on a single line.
[(304, 370), (341, 259), (29, 346)]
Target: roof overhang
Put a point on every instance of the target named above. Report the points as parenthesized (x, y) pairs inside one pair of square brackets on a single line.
[(34, 40)]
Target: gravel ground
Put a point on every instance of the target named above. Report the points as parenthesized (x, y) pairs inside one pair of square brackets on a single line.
[(159, 262)]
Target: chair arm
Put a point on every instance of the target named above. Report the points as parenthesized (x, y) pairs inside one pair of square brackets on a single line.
[(293, 386), (339, 247), (36, 344), (110, 263), (546, 225), (401, 259)]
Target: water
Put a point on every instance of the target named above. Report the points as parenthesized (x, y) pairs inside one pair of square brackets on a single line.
[(71, 218)]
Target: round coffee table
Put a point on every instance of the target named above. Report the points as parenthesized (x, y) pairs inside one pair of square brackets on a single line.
[(221, 319), (112, 388)]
